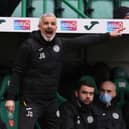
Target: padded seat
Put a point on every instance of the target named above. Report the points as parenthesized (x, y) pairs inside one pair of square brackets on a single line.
[(122, 87)]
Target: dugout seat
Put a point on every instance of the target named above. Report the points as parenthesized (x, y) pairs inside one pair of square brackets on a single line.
[(122, 87)]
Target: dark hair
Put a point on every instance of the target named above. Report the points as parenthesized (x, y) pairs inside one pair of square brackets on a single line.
[(86, 80), (121, 12)]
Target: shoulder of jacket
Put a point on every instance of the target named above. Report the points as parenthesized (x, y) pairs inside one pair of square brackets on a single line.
[(59, 41), (69, 106), (30, 41)]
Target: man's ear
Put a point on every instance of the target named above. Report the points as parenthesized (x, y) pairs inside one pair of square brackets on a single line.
[(115, 94), (76, 93), (39, 26)]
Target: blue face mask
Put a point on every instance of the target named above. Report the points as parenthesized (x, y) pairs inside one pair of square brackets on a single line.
[(105, 98)]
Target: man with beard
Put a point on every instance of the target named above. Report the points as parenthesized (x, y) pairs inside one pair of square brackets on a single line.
[(37, 70), (78, 113)]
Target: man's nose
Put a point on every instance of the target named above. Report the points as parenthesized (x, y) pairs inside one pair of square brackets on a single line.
[(88, 95), (49, 25)]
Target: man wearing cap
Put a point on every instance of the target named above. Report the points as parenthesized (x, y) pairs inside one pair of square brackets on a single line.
[(78, 113), (107, 114), (121, 12)]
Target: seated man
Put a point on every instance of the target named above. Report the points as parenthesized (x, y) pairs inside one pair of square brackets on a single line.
[(78, 113), (107, 114)]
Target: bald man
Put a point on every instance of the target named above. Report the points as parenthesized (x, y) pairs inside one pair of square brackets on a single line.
[(108, 115)]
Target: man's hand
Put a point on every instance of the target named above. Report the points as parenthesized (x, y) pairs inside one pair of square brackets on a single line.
[(117, 32), (10, 105)]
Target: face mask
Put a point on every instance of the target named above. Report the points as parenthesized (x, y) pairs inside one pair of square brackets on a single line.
[(105, 98)]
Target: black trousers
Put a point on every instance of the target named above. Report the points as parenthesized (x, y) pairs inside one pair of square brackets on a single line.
[(46, 114)]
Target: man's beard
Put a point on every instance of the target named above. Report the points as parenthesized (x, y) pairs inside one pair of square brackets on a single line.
[(46, 38)]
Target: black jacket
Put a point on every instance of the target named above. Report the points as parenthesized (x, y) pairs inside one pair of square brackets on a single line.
[(108, 117), (74, 115), (38, 65), (126, 114)]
